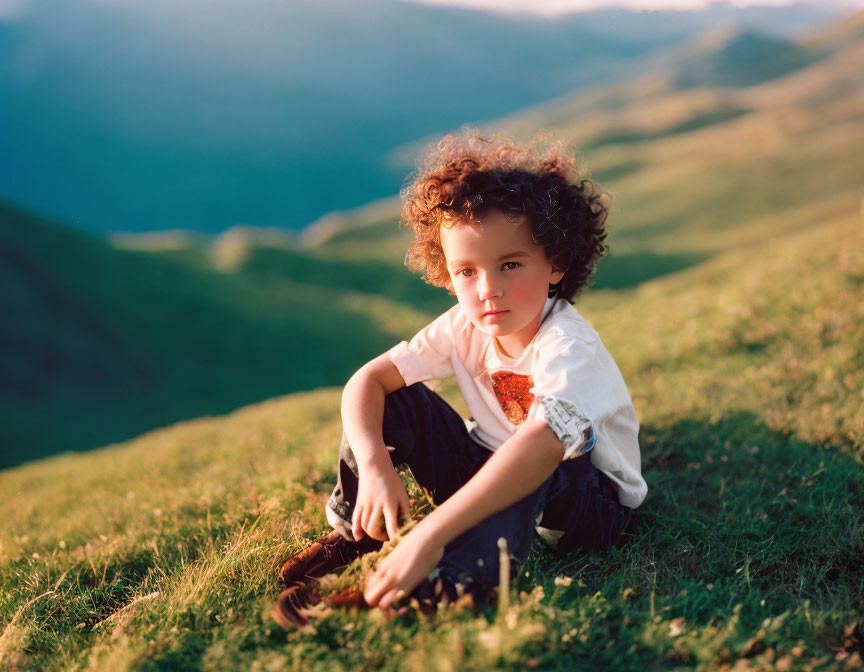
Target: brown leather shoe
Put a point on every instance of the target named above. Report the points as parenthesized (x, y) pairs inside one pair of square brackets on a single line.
[(325, 555), (290, 608), (295, 605)]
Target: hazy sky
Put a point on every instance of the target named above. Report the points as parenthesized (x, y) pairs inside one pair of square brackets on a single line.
[(10, 8), (552, 7)]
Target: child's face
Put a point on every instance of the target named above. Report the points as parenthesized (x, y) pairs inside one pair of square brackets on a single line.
[(494, 265)]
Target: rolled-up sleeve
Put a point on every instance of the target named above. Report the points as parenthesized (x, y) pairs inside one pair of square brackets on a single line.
[(571, 392), (428, 355), (573, 429)]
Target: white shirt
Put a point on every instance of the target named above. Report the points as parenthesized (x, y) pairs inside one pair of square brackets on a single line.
[(565, 377)]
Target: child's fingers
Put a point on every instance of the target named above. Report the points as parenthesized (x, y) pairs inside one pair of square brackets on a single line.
[(356, 528), (366, 518), (371, 521), (391, 596), (378, 585), (391, 522), (378, 521)]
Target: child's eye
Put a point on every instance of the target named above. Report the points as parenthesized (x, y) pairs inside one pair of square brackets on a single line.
[(464, 271), (514, 264)]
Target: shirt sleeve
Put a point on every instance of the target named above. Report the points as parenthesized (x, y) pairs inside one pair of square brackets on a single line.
[(427, 356), (574, 430), (572, 392)]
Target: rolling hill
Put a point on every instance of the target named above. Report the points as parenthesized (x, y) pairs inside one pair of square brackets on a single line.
[(101, 344)]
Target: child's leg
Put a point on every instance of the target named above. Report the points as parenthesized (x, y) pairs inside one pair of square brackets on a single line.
[(423, 431), (582, 509), (577, 506), (472, 560)]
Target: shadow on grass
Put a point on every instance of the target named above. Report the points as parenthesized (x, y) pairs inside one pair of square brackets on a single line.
[(749, 512), (628, 270)]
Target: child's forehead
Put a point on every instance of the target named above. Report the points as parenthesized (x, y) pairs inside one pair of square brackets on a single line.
[(492, 225), (487, 236)]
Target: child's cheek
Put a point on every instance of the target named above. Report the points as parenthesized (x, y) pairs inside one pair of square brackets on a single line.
[(528, 293)]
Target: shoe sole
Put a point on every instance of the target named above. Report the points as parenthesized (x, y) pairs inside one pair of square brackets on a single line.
[(290, 608)]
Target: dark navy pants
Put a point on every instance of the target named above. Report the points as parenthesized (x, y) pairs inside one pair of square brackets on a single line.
[(576, 507)]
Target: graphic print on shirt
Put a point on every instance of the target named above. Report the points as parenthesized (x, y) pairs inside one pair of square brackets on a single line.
[(512, 391)]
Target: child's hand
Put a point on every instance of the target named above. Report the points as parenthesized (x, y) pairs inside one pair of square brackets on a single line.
[(382, 502), (415, 556)]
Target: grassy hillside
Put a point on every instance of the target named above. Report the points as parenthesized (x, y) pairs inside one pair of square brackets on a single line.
[(102, 344), (748, 377)]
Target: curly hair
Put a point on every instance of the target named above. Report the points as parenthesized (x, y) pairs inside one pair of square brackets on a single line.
[(465, 175)]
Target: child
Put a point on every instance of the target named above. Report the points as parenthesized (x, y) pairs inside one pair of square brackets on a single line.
[(514, 233)]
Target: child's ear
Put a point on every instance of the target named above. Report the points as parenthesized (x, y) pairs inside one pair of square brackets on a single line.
[(556, 277), (449, 287)]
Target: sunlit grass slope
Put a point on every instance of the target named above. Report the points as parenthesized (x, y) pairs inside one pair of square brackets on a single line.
[(101, 344), (748, 377)]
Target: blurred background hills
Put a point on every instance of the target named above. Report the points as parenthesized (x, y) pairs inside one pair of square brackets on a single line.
[(202, 115), (710, 140)]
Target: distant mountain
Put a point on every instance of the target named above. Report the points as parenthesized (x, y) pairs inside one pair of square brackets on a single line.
[(150, 114), (741, 58)]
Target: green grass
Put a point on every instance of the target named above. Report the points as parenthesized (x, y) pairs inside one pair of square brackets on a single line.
[(748, 378)]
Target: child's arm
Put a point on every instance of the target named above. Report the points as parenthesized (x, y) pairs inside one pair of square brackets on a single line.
[(519, 466), (380, 495)]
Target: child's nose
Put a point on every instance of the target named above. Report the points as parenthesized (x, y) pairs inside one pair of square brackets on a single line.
[(488, 287)]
